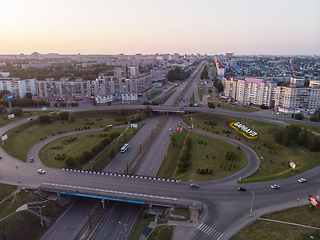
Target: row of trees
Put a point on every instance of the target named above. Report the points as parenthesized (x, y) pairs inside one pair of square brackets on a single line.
[(218, 85), (184, 158), (178, 74), (294, 134), (204, 73)]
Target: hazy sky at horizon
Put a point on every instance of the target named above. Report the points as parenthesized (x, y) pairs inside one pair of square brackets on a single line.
[(279, 27)]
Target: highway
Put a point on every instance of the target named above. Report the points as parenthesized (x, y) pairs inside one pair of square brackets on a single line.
[(229, 209)]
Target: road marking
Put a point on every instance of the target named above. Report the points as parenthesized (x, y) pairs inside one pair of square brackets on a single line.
[(209, 231)]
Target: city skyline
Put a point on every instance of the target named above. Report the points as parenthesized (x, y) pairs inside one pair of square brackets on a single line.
[(113, 27)]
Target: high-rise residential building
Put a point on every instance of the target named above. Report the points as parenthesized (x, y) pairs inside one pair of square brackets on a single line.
[(250, 91), (19, 88)]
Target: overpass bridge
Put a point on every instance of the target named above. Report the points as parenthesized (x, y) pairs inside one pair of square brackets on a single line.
[(120, 187)]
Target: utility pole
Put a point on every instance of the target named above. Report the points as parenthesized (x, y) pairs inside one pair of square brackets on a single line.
[(252, 204)]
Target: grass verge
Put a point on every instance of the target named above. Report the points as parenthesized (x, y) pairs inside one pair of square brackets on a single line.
[(261, 229), (200, 92), (141, 221), (154, 94), (26, 114), (229, 106), (162, 233)]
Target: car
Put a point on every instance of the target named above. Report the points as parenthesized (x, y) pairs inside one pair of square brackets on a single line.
[(41, 171), (31, 159), (189, 127), (275, 186), (170, 129), (29, 119), (193, 185), (241, 189), (0, 157), (302, 180)]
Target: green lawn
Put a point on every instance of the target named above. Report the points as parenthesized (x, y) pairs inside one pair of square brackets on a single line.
[(154, 94), (141, 221), (200, 92), (85, 141), (229, 106), (164, 99), (273, 157), (162, 233), (22, 138), (192, 99), (170, 161), (266, 230), (211, 154), (27, 114)]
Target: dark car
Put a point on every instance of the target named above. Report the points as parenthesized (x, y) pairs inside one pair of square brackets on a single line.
[(31, 159), (193, 185), (241, 189)]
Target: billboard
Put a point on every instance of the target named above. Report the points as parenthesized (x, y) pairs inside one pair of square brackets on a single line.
[(4, 137), (134, 125), (9, 97), (44, 108), (292, 165), (11, 116), (313, 201)]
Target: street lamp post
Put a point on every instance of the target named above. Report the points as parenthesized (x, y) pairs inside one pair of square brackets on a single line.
[(252, 204), (125, 228)]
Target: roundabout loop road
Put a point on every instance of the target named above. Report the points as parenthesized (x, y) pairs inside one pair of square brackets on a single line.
[(229, 209)]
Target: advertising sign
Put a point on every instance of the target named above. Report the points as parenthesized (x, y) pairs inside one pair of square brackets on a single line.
[(134, 125), (177, 129), (292, 165), (243, 130), (9, 97), (4, 137), (313, 201), (44, 108), (181, 129), (11, 116)]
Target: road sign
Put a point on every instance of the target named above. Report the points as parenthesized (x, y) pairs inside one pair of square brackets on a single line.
[(4, 137), (313, 201), (292, 165)]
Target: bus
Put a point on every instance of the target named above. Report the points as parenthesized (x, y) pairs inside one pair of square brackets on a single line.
[(125, 147), (109, 126)]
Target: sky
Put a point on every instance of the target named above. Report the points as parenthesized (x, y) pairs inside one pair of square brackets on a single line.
[(268, 27)]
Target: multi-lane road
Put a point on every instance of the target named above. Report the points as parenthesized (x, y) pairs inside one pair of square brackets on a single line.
[(229, 209)]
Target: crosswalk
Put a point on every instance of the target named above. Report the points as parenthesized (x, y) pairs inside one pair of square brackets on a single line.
[(210, 231)]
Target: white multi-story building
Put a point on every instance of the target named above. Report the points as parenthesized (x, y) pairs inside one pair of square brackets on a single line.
[(297, 97), (19, 88), (250, 91)]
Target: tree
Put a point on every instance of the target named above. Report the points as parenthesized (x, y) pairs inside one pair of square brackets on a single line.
[(147, 111), (109, 103), (63, 104), (17, 111), (70, 161), (44, 118), (314, 118), (219, 87), (121, 112), (298, 116), (211, 105), (94, 102), (64, 115), (28, 95), (72, 117), (111, 151), (2, 109)]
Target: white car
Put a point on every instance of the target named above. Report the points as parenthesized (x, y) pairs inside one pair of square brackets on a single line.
[(41, 171), (170, 129), (302, 180), (275, 186)]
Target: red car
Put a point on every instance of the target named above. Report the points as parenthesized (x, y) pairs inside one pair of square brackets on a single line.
[(189, 127)]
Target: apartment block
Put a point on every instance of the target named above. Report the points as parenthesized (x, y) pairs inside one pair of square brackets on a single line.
[(19, 88), (250, 91)]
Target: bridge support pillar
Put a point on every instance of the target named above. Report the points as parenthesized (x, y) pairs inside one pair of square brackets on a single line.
[(102, 203), (150, 207)]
